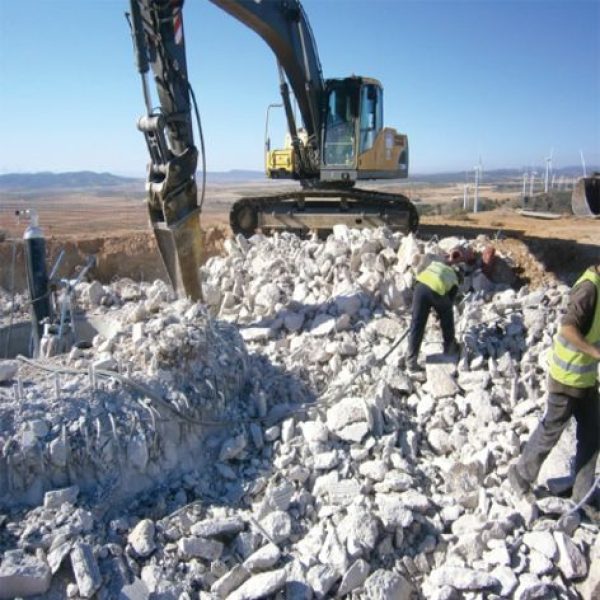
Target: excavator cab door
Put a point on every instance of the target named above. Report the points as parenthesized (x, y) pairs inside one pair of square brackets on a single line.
[(340, 126)]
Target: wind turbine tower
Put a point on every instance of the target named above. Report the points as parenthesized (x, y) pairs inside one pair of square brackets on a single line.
[(531, 180), (477, 168), (548, 170), (524, 190)]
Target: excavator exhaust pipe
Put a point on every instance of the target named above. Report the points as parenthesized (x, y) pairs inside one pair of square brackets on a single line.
[(585, 200)]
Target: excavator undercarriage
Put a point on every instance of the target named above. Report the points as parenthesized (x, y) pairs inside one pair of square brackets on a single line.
[(320, 209)]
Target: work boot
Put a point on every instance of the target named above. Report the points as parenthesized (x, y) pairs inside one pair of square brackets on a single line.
[(415, 370), (519, 484)]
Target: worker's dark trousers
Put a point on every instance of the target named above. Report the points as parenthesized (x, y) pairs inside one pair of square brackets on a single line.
[(424, 299), (559, 409)]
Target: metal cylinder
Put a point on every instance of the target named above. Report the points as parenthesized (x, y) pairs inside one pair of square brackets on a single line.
[(37, 280)]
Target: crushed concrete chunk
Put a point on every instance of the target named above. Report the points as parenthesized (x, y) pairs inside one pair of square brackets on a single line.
[(141, 538), (200, 548), (462, 578), (354, 577), (218, 527), (85, 568), (571, 561), (260, 585), (23, 575), (55, 498), (387, 585)]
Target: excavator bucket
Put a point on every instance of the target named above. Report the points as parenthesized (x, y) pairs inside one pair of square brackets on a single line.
[(585, 200)]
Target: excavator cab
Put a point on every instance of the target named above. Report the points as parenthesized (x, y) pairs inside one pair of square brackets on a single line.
[(354, 142), (356, 145)]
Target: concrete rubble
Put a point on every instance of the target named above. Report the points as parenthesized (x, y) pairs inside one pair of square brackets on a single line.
[(269, 443)]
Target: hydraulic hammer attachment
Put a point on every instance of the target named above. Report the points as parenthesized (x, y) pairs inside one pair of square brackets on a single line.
[(157, 31)]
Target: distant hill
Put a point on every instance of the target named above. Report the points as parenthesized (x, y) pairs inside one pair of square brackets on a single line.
[(87, 180), (77, 180), (54, 181)]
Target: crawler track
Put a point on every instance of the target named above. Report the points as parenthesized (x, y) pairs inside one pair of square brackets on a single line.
[(319, 210)]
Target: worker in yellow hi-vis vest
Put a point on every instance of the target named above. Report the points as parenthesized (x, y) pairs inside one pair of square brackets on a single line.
[(436, 287), (572, 392)]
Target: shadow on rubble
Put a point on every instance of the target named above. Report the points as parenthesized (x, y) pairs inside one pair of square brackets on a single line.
[(239, 456)]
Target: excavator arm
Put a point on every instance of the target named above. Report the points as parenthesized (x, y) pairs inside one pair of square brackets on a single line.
[(157, 29)]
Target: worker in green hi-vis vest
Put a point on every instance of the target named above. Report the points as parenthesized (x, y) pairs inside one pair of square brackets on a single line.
[(572, 392), (436, 288)]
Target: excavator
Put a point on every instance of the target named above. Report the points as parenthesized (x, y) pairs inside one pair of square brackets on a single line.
[(340, 140)]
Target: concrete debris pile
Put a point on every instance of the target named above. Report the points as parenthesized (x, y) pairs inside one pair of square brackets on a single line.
[(126, 410), (339, 476)]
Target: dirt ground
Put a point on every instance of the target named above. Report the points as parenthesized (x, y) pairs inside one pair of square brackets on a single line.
[(116, 230)]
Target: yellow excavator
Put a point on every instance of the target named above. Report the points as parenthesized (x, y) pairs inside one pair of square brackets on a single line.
[(340, 140)]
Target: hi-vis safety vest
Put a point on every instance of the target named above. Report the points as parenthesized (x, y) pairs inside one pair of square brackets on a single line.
[(439, 277), (567, 364)]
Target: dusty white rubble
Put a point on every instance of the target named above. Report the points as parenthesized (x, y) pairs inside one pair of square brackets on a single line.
[(320, 469)]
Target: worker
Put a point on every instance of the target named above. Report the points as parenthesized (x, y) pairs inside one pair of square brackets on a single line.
[(437, 287), (572, 391)]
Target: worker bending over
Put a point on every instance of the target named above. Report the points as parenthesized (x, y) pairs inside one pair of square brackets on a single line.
[(437, 286), (572, 391)]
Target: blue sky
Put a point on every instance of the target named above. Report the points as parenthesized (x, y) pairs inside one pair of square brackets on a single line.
[(506, 80)]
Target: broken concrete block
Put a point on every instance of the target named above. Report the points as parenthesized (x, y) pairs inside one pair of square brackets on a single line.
[(264, 558), (23, 575), (278, 525), (230, 581), (354, 577), (387, 585), (462, 578), (136, 590), (56, 498), (200, 548), (259, 586), (543, 542), (223, 526), (85, 568), (359, 530), (321, 579), (345, 412), (57, 554), (141, 538), (571, 561)]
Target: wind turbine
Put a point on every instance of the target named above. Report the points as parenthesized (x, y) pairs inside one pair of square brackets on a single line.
[(478, 169), (532, 175), (466, 193), (548, 170), (524, 190)]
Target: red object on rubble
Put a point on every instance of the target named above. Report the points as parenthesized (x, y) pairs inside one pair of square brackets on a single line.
[(488, 258)]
